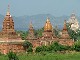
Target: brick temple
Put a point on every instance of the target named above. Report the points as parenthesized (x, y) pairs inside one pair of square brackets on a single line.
[(11, 41)]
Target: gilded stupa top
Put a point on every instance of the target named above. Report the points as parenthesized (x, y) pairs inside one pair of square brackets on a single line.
[(48, 26)]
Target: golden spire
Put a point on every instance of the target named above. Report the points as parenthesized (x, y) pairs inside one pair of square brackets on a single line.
[(48, 26), (48, 19), (8, 11)]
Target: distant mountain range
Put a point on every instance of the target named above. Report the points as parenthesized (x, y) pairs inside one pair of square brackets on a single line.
[(38, 21)]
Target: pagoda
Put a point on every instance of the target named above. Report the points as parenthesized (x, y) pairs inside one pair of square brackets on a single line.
[(31, 35), (8, 24), (48, 30), (73, 22), (8, 31), (9, 39), (65, 34), (65, 38)]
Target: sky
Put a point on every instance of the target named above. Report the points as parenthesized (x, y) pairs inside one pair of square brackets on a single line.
[(33, 7)]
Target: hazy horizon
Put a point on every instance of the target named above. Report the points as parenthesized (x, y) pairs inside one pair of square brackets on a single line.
[(33, 7)]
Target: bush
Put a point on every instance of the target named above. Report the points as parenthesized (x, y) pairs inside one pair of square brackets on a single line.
[(30, 49), (26, 45), (77, 46), (43, 53), (57, 47), (53, 47), (38, 49), (12, 56), (42, 48)]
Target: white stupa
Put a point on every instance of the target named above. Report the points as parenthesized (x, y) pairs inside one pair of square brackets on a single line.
[(74, 22)]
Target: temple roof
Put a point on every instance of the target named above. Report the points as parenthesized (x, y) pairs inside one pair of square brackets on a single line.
[(48, 25)]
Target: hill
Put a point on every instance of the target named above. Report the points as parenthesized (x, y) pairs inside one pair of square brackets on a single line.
[(38, 21)]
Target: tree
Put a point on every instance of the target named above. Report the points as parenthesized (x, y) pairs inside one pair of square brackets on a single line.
[(76, 46), (24, 34), (12, 56), (73, 34), (26, 45), (38, 33), (56, 31)]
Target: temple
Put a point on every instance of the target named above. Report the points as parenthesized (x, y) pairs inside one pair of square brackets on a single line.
[(65, 38), (8, 31), (31, 32), (11, 41), (73, 22), (65, 34), (48, 30)]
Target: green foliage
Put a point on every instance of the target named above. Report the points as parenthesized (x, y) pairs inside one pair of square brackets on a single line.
[(53, 47), (56, 32), (73, 34), (26, 45), (23, 34), (77, 46), (38, 33), (1, 54), (41, 48), (12, 56), (51, 56), (38, 49), (43, 53), (47, 56), (30, 49), (57, 47)]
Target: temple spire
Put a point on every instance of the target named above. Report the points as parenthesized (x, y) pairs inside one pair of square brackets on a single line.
[(48, 25), (65, 34), (73, 16), (48, 19), (31, 32), (65, 27), (8, 11), (30, 26)]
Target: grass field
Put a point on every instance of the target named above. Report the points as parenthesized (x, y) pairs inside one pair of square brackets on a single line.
[(47, 56)]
